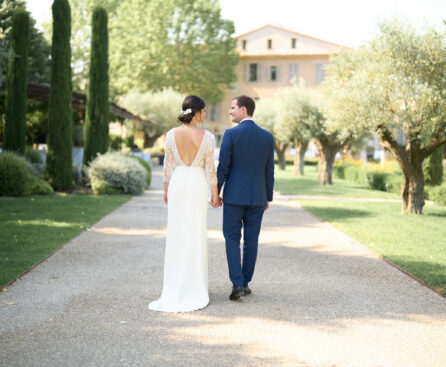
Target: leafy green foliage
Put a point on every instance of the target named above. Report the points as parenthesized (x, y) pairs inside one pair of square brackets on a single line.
[(38, 69), (97, 114), (157, 44), (163, 107), (59, 159), (16, 99)]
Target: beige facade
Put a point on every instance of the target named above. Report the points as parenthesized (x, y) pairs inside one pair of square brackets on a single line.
[(270, 57)]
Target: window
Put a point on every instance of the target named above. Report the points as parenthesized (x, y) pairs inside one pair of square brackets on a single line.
[(273, 73), (293, 43), (244, 44), (320, 72), (252, 72), (270, 43), (293, 72)]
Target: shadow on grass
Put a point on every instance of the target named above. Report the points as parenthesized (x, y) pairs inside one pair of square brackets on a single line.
[(431, 272), (336, 214)]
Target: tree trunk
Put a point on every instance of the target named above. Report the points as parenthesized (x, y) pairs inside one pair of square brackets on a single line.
[(301, 148), (280, 149), (327, 152), (416, 191), (405, 194)]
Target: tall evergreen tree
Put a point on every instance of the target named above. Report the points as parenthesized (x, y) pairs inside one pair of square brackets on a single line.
[(97, 114), (433, 168), (15, 114), (59, 159)]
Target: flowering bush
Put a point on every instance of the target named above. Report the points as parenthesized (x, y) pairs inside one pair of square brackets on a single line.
[(116, 173)]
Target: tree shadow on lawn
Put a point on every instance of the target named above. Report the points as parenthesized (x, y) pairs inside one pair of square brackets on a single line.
[(328, 214), (431, 272)]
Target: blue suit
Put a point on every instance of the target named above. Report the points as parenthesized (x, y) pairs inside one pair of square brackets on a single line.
[(246, 168)]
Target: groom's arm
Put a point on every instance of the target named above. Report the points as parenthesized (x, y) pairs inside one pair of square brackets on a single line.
[(224, 160), (269, 173)]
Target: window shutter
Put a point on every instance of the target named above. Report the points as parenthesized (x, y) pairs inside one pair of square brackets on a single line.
[(267, 73), (260, 72), (277, 73), (245, 72)]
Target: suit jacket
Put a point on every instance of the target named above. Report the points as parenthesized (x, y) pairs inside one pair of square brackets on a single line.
[(246, 165)]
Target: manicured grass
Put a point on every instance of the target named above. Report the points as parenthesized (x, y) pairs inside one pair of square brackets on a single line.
[(287, 183), (33, 227), (415, 243)]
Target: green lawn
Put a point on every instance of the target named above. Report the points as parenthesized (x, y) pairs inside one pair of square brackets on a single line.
[(415, 243), (33, 227), (287, 183)]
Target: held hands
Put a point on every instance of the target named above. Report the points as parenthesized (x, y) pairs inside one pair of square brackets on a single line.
[(215, 201)]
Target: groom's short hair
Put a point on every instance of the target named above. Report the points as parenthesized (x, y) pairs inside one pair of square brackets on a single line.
[(248, 102)]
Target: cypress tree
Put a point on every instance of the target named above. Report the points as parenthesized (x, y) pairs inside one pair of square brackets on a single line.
[(433, 169), (15, 108), (97, 114), (60, 140)]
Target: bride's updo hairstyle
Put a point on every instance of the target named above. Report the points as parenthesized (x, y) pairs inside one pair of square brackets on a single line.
[(191, 105)]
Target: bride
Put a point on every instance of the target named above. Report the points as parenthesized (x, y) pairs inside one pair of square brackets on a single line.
[(191, 151)]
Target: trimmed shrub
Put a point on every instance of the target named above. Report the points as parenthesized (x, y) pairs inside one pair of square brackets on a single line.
[(116, 172), (378, 180), (37, 186), (36, 161), (436, 193), (146, 166), (14, 174)]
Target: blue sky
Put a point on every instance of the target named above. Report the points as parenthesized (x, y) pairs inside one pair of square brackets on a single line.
[(347, 22)]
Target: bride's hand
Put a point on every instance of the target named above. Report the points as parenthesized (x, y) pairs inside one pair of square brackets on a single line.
[(165, 197), (215, 201)]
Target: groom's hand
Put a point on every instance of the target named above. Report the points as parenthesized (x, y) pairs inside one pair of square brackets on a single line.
[(267, 205)]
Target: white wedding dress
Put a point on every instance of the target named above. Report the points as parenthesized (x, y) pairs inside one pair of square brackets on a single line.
[(185, 280)]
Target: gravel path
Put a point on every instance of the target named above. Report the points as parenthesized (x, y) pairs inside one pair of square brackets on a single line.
[(319, 299)]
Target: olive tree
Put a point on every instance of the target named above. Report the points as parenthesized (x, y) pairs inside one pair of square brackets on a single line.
[(395, 87)]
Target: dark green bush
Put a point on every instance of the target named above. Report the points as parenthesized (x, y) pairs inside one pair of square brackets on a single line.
[(115, 142), (433, 168), (146, 166), (33, 156), (436, 193), (378, 180), (14, 175), (37, 186), (339, 171), (356, 174)]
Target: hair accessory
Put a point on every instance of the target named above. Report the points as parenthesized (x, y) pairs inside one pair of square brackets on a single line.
[(187, 111)]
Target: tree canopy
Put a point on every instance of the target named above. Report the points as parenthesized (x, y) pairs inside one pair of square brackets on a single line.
[(157, 44)]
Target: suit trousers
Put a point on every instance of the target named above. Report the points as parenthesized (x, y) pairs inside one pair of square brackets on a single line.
[(234, 218)]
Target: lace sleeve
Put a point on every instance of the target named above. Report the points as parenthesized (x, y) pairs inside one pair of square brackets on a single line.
[(168, 159), (209, 159)]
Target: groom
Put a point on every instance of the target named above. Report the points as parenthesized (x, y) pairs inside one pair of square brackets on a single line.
[(246, 168)]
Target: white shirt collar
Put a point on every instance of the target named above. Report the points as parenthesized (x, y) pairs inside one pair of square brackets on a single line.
[(248, 118)]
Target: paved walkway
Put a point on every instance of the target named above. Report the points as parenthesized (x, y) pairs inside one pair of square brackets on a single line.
[(319, 299)]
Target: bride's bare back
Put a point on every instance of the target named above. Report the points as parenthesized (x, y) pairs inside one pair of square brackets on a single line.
[(188, 140)]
